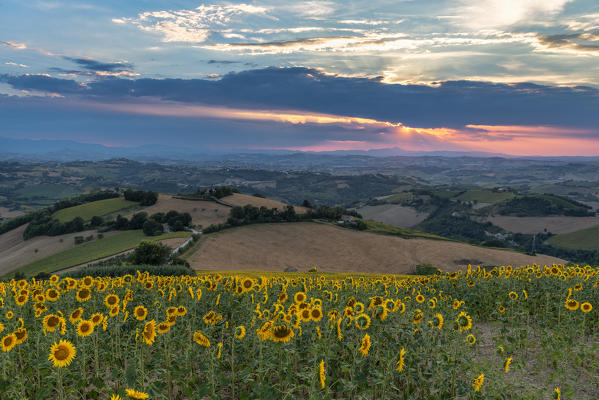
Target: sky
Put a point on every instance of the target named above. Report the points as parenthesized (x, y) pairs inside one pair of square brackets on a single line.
[(518, 77)]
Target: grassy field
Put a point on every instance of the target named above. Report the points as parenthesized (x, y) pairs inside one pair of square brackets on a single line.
[(275, 247), (88, 210), (92, 251), (584, 239), (485, 196), (202, 212), (556, 224)]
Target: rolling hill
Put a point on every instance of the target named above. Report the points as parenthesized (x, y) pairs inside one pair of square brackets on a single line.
[(333, 249)]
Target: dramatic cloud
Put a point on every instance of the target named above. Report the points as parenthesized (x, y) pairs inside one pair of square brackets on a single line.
[(316, 110), (491, 14)]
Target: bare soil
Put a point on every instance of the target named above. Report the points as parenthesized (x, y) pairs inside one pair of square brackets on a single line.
[(393, 214), (239, 199), (274, 247), (6, 213), (554, 224), (202, 212)]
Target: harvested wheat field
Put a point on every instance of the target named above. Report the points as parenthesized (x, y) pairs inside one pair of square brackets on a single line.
[(239, 199), (202, 212), (7, 213), (16, 252), (274, 247), (393, 214), (554, 224)]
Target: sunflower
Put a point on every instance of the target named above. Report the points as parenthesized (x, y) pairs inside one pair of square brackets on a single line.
[(578, 287), (456, 304), (83, 294), (148, 285), (52, 294), (201, 339), (316, 314), (87, 281), (438, 321), (281, 333), (586, 307), (418, 316), (114, 311), (305, 314), (501, 309), (209, 317), (513, 295), (97, 319), (299, 297), (76, 315), (21, 299), (240, 332), (557, 394), (8, 342), (471, 339), (321, 374), (478, 382), (171, 311), (54, 278), (247, 284), (401, 362), (9, 315), (51, 322), (506, 365), (181, 311), (149, 332), (420, 298), (21, 335), (134, 394), (62, 353), (140, 313), (85, 328), (282, 297), (111, 300), (572, 304), (362, 321), (116, 397), (163, 327), (365, 345), (464, 321)]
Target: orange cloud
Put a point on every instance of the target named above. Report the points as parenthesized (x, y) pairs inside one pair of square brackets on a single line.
[(508, 139)]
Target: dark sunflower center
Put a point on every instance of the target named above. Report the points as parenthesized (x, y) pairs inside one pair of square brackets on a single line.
[(61, 354), (281, 331)]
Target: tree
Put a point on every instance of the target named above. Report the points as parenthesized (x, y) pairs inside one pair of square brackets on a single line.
[(150, 253), (307, 204), (121, 223), (152, 227), (96, 221), (138, 220)]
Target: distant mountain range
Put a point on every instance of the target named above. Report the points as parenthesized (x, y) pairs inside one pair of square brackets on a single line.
[(69, 150)]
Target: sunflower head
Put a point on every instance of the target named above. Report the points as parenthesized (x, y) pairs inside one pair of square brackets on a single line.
[(281, 333), (85, 328), (8, 342), (586, 307), (62, 353), (140, 313)]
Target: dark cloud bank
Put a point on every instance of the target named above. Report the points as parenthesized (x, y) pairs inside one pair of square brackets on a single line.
[(450, 104)]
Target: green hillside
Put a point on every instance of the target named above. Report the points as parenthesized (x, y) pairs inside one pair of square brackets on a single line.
[(485, 196), (88, 210), (94, 250), (584, 239)]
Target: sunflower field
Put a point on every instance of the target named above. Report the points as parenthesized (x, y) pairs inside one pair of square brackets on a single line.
[(505, 333)]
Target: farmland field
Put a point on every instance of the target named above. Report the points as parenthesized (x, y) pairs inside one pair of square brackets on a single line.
[(94, 250), (501, 333), (554, 224), (88, 210), (238, 199), (16, 252), (303, 245), (393, 214), (202, 212), (586, 239), (485, 196)]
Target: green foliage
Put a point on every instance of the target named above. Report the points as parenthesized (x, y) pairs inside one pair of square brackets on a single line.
[(145, 198), (96, 208), (117, 270), (584, 239), (426, 269), (152, 227), (543, 205), (150, 253)]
